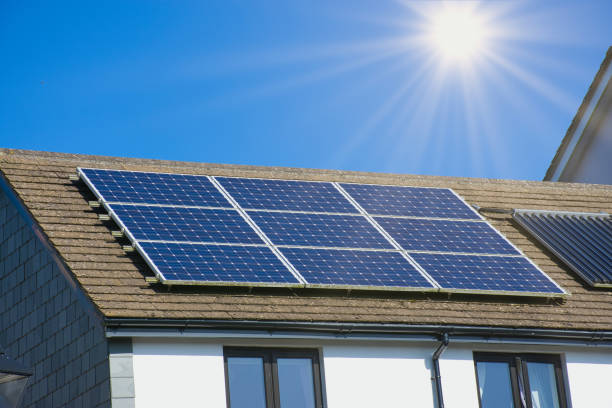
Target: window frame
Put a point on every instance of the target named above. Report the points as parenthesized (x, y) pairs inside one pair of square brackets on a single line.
[(270, 355), (519, 376)]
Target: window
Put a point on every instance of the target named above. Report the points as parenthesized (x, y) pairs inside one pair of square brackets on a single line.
[(519, 380), (272, 378)]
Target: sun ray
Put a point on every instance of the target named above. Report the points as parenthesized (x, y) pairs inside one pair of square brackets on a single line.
[(552, 93), (421, 113), (433, 75), (375, 119), (323, 72)]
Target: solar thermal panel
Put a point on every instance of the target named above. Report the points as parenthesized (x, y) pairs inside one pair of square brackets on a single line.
[(182, 262), (286, 195), (582, 241), (446, 236), (409, 201), (155, 223), (324, 230), (355, 268), (485, 273), (154, 188)]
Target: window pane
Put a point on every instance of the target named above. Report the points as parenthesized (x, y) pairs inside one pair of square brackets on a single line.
[(543, 385), (494, 384), (246, 382), (295, 382)]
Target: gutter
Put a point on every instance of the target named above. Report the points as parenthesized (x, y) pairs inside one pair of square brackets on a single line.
[(11, 366), (436, 367), (129, 327)]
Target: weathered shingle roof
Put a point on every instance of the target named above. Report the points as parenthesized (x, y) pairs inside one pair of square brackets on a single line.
[(115, 280)]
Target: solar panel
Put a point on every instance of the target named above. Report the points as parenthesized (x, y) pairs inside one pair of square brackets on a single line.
[(485, 273), (154, 188), (323, 230), (245, 231), (355, 268), (287, 195), (446, 236), (209, 263), (409, 201), (154, 223), (582, 241)]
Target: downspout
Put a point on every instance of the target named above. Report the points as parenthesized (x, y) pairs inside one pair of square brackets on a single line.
[(436, 368)]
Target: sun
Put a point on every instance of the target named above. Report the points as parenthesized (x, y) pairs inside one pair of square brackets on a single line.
[(458, 33)]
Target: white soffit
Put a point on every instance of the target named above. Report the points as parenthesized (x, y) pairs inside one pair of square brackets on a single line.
[(584, 120)]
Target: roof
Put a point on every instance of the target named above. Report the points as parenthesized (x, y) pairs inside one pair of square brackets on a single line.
[(115, 280), (576, 129)]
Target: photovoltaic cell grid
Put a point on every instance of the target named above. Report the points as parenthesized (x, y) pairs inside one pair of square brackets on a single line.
[(150, 223), (217, 263), (155, 188), (491, 273), (321, 230), (355, 268), (268, 204), (446, 236), (286, 195), (409, 201)]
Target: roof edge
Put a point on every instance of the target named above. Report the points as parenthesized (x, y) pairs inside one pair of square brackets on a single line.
[(176, 166), (130, 327), (38, 232), (589, 103), (9, 365)]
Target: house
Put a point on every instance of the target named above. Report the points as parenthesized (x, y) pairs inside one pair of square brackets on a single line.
[(98, 328), (584, 154)]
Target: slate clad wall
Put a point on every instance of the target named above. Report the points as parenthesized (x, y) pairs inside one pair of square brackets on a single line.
[(44, 325)]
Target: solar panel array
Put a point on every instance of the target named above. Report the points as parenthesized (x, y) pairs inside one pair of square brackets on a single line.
[(194, 229)]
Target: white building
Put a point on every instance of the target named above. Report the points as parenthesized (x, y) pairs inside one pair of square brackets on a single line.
[(98, 328), (584, 154)]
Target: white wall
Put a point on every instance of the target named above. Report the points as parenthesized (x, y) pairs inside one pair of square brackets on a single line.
[(591, 163), (590, 378), (458, 378), (377, 376), (178, 374)]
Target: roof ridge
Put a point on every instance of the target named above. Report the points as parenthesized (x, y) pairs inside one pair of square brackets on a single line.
[(128, 163)]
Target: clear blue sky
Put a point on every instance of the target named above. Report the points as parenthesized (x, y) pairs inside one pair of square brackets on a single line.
[(327, 84)]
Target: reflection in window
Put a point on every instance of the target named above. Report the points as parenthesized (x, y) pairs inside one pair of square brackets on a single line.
[(246, 382), (272, 378), (494, 385), (296, 387), (542, 382), (519, 380)]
